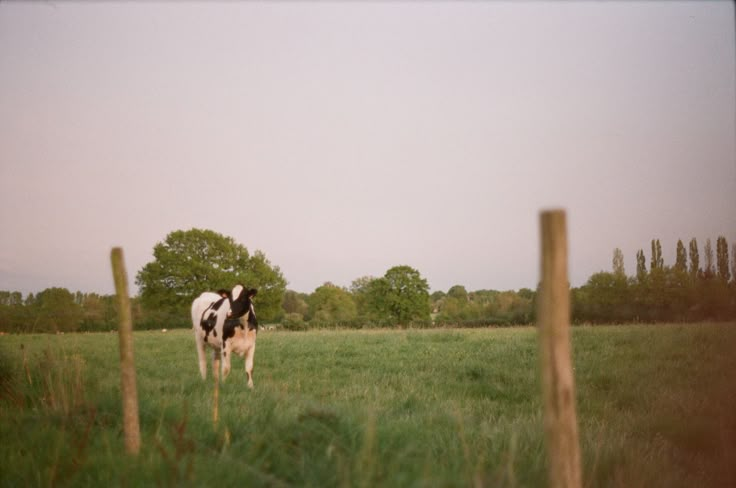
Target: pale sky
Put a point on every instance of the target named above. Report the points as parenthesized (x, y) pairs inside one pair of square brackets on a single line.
[(345, 138)]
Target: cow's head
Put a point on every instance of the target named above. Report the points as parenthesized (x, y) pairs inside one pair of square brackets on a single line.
[(241, 303)]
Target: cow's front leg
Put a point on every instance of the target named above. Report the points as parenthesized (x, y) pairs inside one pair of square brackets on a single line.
[(216, 364), (201, 356), (249, 364), (227, 352)]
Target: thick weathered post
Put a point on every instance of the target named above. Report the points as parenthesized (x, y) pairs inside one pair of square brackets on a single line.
[(131, 426), (558, 382)]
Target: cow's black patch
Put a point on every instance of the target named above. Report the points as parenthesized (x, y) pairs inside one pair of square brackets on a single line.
[(218, 304), (209, 318), (228, 328)]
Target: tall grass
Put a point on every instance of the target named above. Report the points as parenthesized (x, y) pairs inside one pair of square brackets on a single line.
[(656, 407)]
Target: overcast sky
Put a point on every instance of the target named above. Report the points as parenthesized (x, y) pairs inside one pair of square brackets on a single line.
[(345, 138)]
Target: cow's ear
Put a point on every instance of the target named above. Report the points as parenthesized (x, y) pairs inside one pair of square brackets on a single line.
[(253, 292)]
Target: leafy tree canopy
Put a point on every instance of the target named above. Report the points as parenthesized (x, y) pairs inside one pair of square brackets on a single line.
[(57, 311), (400, 296), (190, 262), (330, 303)]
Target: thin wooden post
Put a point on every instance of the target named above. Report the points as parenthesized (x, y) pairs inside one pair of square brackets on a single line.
[(216, 401), (558, 382), (131, 426)]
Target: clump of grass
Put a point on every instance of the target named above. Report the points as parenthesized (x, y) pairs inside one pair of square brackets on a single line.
[(177, 450), (50, 395)]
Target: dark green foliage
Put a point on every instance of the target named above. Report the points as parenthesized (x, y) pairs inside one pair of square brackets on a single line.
[(694, 258), (641, 266), (606, 297), (331, 304), (190, 262), (722, 260), (400, 297), (295, 302), (709, 270), (657, 260), (665, 294), (681, 257), (484, 307)]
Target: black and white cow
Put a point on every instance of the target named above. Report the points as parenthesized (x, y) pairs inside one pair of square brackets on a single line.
[(225, 321)]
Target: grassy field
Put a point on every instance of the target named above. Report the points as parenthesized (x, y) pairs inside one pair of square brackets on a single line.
[(656, 407)]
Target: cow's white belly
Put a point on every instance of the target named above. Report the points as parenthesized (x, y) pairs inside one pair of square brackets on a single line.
[(243, 341)]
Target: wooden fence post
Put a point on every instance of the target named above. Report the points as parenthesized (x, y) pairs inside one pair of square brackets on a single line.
[(131, 426), (216, 400), (558, 382)]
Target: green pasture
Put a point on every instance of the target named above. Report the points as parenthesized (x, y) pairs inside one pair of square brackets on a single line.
[(396, 408)]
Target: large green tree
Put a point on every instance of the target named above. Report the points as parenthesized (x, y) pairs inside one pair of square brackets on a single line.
[(332, 304), (401, 296), (190, 262)]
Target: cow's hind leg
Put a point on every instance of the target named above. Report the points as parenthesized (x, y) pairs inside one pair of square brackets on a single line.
[(216, 364), (227, 352)]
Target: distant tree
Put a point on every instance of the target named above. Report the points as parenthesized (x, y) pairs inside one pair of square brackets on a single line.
[(331, 304), (56, 311), (722, 259), (458, 292), (527, 293), (295, 303), (657, 261), (456, 305), (641, 266), (694, 258), (437, 295), (400, 296), (98, 312), (681, 257), (604, 298), (709, 270), (15, 316), (618, 263), (359, 289), (190, 262), (11, 298)]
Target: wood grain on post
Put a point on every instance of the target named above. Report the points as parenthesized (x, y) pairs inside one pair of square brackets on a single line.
[(558, 382), (131, 426)]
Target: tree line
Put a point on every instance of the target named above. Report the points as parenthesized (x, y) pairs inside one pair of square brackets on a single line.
[(690, 290), (189, 262)]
